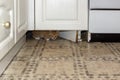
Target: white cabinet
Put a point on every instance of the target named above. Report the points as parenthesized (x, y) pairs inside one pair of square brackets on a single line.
[(13, 23), (21, 18), (6, 27), (61, 14)]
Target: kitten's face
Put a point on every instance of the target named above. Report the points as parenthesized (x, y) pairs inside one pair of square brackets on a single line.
[(54, 35)]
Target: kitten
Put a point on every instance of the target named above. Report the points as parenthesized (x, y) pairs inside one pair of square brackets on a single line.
[(53, 35), (47, 35)]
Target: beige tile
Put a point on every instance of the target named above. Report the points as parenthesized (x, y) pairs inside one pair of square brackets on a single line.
[(57, 52), (103, 67), (55, 67), (16, 68), (27, 51), (31, 43)]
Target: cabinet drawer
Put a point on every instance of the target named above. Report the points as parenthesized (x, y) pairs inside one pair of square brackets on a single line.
[(108, 4), (104, 21)]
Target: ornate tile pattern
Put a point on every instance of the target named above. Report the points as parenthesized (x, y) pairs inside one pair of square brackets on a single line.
[(65, 60)]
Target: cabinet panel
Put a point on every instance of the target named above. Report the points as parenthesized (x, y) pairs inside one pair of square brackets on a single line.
[(61, 14), (21, 18), (31, 14), (21, 12), (54, 10)]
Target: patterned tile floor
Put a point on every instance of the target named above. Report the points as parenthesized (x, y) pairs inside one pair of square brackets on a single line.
[(65, 60)]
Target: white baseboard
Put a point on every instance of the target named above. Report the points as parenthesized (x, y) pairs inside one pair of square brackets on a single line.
[(8, 58)]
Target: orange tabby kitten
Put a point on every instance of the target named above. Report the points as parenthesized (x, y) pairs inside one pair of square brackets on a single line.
[(47, 35)]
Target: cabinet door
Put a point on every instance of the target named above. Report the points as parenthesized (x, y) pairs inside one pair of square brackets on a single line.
[(6, 27), (21, 18), (61, 14)]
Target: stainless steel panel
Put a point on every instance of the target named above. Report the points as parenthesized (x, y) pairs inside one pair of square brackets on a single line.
[(104, 21), (108, 4)]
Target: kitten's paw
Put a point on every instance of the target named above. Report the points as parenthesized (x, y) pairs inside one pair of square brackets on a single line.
[(37, 38), (47, 39)]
